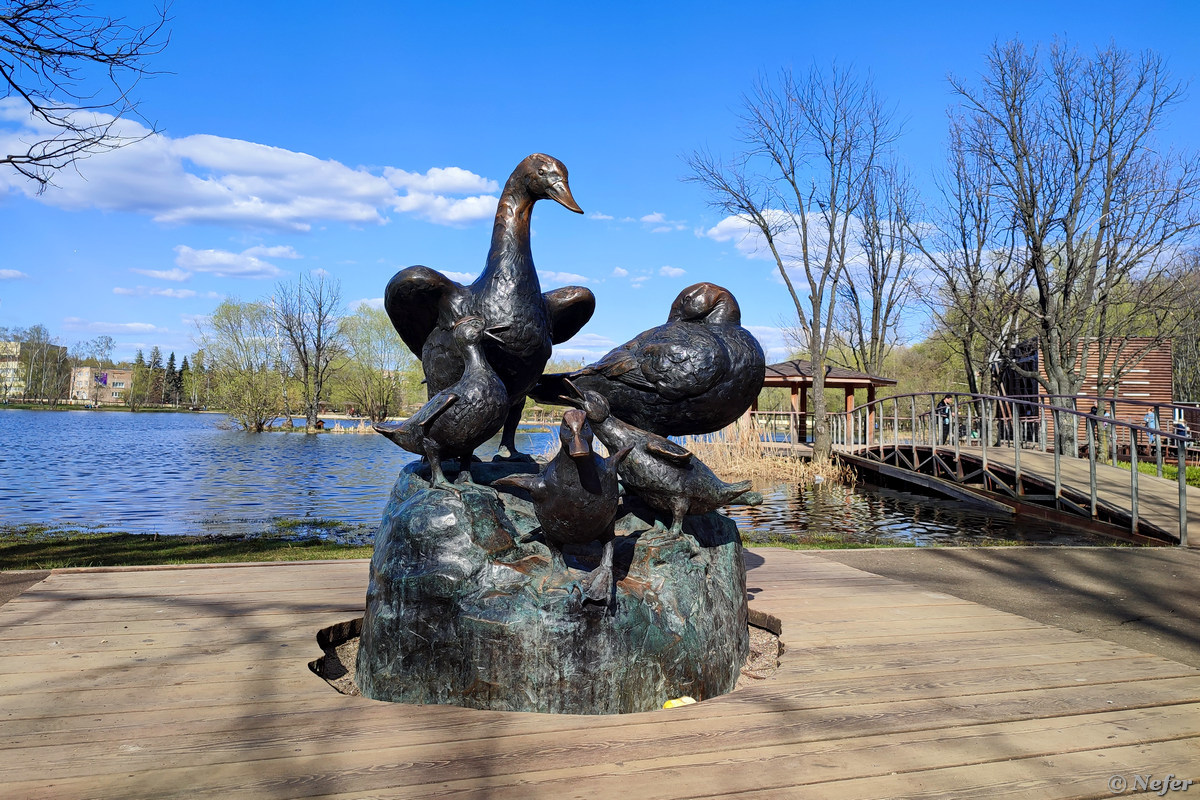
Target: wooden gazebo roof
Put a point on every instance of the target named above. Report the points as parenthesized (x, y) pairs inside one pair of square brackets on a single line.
[(797, 373)]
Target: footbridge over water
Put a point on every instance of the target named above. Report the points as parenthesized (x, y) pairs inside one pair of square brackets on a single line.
[(1031, 456)]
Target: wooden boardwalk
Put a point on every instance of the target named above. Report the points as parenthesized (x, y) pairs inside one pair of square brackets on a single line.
[(193, 683), (1158, 498)]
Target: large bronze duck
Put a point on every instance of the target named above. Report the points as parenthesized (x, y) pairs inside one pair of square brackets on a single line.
[(423, 304), (460, 417), (665, 476), (575, 497), (695, 374)]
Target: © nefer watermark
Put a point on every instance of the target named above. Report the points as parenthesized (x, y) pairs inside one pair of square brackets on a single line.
[(1118, 784)]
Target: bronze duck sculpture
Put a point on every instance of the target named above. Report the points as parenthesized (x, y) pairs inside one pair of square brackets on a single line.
[(575, 497), (695, 374), (665, 476), (461, 416), (423, 304)]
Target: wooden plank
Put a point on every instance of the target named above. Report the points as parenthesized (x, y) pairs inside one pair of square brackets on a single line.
[(900, 680), (677, 762)]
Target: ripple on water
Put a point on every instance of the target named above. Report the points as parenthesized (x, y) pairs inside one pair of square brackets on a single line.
[(868, 514), (191, 474)]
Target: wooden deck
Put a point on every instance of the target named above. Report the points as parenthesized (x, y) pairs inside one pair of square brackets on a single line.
[(193, 683)]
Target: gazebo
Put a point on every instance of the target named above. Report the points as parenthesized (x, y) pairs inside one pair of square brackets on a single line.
[(796, 375)]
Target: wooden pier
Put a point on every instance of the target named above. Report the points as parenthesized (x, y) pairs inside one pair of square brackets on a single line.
[(192, 682)]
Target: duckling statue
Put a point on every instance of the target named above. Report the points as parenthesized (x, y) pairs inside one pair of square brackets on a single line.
[(695, 374), (423, 303), (461, 416), (575, 497), (664, 475)]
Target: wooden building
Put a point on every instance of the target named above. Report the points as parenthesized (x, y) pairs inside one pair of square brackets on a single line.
[(1136, 375)]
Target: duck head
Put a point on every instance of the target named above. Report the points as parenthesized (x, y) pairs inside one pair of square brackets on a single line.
[(471, 329), (592, 403), (575, 434), (544, 176), (705, 302)]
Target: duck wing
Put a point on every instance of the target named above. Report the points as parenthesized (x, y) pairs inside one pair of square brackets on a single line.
[(569, 309), (413, 300), (678, 360), (668, 451)]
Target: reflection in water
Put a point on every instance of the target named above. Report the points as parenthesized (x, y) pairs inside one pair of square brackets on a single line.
[(186, 474), (875, 515)]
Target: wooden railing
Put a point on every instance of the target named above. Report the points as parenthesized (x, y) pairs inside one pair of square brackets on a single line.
[(986, 423)]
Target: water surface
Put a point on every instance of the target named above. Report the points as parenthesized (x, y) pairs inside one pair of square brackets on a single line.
[(193, 474)]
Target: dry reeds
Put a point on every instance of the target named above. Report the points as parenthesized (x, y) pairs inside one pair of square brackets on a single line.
[(737, 454), (363, 426)]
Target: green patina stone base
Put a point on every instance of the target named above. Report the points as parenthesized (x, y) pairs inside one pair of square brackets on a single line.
[(468, 606)]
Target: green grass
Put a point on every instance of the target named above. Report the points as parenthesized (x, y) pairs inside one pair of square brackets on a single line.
[(1170, 471), (42, 547)]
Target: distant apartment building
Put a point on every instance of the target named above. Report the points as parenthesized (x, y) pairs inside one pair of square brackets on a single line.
[(12, 381), (100, 386), (21, 362)]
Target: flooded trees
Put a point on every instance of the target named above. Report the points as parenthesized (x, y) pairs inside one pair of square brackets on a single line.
[(239, 351), (309, 314)]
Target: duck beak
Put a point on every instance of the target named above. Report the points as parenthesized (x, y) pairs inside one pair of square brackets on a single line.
[(561, 193), (570, 400)]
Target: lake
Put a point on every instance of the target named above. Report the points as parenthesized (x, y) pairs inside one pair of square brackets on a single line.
[(192, 474)]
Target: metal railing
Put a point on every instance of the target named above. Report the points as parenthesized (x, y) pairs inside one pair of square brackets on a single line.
[(978, 423), (792, 427)]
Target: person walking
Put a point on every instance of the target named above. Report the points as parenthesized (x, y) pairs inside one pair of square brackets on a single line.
[(943, 414)]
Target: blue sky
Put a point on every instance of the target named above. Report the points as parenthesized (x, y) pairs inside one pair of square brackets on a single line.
[(362, 138)]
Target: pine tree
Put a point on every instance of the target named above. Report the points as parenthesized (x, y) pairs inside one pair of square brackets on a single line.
[(156, 386), (184, 381), (171, 381)]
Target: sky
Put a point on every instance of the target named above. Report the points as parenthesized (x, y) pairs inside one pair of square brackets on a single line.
[(363, 138)]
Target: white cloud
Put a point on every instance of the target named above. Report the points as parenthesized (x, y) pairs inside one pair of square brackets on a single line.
[(175, 274), (369, 302), (655, 218), (78, 324), (218, 180), (276, 251), (439, 180), (638, 280), (461, 277), (620, 272), (225, 264), (11, 274), (672, 272), (562, 278), (586, 347), (597, 215), (774, 341), (156, 291), (445, 210)]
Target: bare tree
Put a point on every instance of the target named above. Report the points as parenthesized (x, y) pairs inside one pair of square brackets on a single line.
[(309, 315), (74, 71), (810, 144), (974, 289), (1096, 204), (878, 284)]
